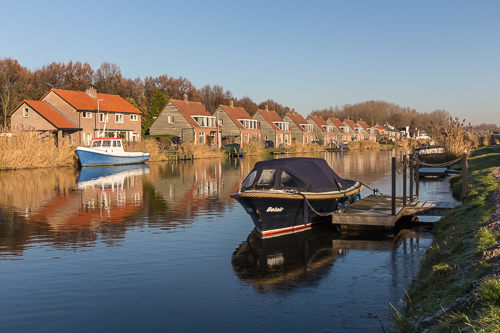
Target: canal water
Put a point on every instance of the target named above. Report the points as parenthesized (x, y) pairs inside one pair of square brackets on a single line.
[(162, 247)]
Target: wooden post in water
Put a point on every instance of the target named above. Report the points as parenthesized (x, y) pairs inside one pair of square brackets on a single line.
[(394, 186), (463, 192), (417, 179), (404, 179), (411, 178)]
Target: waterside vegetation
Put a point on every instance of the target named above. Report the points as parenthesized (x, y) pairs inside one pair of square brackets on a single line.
[(458, 288)]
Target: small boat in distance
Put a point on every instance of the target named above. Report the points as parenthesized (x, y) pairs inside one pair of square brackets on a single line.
[(108, 151), (293, 194)]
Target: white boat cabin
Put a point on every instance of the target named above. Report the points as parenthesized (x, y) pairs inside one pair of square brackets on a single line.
[(111, 145)]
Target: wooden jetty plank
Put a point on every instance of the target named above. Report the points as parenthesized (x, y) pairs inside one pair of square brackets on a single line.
[(376, 210), (431, 171)]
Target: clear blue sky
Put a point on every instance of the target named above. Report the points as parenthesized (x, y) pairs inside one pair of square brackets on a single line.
[(307, 55)]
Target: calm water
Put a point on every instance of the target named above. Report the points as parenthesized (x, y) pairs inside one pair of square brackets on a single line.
[(163, 248)]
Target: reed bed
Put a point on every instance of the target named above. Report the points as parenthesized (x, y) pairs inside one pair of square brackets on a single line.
[(25, 150), (455, 138), (152, 146), (200, 151), (307, 148), (364, 145), (254, 147)]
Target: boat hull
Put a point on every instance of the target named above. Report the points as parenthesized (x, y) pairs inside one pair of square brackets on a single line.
[(90, 157), (274, 215)]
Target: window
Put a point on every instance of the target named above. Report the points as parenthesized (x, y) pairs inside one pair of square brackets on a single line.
[(281, 125), (96, 144), (69, 139), (103, 118), (87, 115), (307, 139), (248, 123), (307, 127), (248, 182), (106, 143), (266, 178), (134, 117), (87, 137), (288, 179), (205, 121), (221, 122), (118, 118), (26, 112), (202, 137), (170, 119)]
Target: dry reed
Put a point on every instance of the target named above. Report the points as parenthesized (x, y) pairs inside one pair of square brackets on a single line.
[(254, 147), (307, 148), (24, 150), (200, 151), (364, 145), (147, 145), (455, 138)]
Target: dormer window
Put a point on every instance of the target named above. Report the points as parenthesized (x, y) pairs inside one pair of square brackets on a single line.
[(283, 126), (248, 123), (307, 127), (204, 121)]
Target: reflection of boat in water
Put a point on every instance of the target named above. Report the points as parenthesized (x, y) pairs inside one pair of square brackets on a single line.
[(108, 151), (97, 175), (280, 263), (292, 194)]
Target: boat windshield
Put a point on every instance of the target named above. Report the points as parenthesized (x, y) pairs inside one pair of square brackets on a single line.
[(248, 182), (288, 179), (106, 143), (96, 144), (266, 178), (117, 143)]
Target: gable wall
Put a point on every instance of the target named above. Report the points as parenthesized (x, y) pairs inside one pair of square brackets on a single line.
[(161, 126), (34, 121)]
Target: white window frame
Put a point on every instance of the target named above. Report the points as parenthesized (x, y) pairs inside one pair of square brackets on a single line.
[(87, 115), (134, 117), (26, 112), (119, 118), (201, 137), (204, 121), (103, 117)]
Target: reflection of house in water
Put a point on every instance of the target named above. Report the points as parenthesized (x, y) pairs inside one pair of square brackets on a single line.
[(105, 200)]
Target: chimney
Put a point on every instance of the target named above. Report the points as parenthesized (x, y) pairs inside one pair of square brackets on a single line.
[(267, 107), (185, 97), (360, 119), (231, 103), (293, 111), (92, 92)]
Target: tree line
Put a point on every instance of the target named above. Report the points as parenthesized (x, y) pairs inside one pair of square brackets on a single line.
[(18, 83)]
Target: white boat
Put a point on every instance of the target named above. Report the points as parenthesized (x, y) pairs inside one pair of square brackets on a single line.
[(108, 151)]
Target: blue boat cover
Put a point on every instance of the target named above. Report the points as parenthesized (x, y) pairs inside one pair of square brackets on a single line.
[(314, 171)]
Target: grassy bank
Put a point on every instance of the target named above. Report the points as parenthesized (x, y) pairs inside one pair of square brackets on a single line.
[(460, 269)]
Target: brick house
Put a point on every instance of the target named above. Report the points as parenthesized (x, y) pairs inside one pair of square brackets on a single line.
[(355, 130), (188, 120), (236, 124), (324, 131), (302, 131), (273, 127), (342, 131), (76, 116), (368, 132)]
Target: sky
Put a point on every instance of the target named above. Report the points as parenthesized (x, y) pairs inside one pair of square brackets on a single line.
[(307, 55)]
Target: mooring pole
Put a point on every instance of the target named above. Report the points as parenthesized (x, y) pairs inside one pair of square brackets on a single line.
[(404, 179), (411, 178), (463, 192), (417, 179), (394, 185)]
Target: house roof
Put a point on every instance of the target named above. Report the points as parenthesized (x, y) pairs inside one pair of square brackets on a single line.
[(81, 101), (235, 113), (48, 113), (271, 116), (364, 125), (350, 123), (380, 128), (319, 121), (189, 109), (337, 123), (298, 120)]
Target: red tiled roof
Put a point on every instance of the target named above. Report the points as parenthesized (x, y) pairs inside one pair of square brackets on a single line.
[(380, 128), (81, 101), (189, 109), (298, 120), (236, 113), (319, 120), (270, 116), (337, 123), (48, 113), (350, 123), (364, 125)]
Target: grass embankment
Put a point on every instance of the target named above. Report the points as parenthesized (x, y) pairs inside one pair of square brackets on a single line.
[(26, 151), (457, 264)]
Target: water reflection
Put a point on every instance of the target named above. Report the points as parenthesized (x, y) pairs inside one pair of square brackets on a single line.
[(302, 259)]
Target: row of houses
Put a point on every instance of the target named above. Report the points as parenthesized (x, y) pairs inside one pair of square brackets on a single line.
[(75, 117)]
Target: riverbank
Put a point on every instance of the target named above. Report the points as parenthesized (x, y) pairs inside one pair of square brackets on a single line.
[(458, 286)]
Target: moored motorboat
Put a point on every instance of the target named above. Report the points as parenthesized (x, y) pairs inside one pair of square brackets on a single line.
[(293, 194), (108, 151)]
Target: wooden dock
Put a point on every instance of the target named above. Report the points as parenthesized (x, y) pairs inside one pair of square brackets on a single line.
[(376, 210)]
